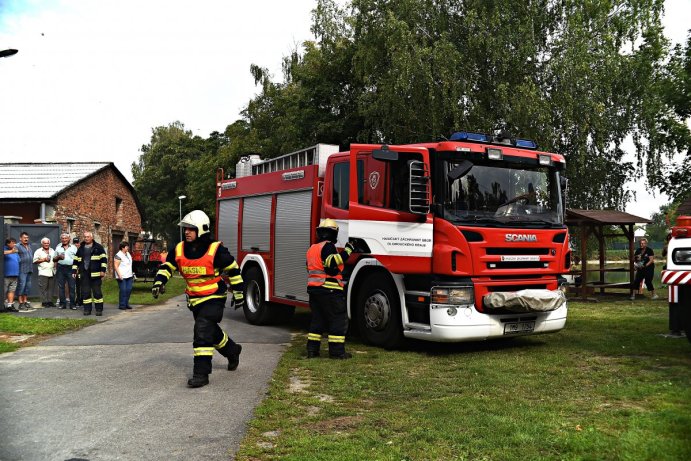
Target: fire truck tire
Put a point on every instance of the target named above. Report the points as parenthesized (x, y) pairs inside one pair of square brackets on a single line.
[(379, 312), (257, 311)]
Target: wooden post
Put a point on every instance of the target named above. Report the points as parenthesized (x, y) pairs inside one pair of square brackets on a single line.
[(584, 260)]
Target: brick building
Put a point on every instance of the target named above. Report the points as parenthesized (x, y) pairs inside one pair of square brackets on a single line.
[(77, 196)]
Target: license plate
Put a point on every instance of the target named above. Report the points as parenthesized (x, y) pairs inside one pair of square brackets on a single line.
[(517, 328), (520, 258)]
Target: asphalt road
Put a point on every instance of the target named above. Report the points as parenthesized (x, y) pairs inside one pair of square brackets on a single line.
[(117, 390)]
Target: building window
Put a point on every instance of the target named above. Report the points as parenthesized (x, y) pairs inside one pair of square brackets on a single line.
[(70, 225), (118, 204)]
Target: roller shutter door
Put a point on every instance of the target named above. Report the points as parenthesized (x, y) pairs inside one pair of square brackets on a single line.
[(256, 223), (228, 224), (293, 231)]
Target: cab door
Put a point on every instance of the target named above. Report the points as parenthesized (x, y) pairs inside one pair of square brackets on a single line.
[(380, 202)]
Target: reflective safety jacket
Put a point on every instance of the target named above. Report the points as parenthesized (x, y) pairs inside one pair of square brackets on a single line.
[(98, 262), (201, 264), (325, 266), (201, 277)]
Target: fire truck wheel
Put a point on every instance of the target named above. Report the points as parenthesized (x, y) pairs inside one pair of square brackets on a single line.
[(256, 308), (379, 312)]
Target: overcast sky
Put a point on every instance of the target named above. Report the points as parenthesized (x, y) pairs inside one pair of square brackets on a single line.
[(92, 78)]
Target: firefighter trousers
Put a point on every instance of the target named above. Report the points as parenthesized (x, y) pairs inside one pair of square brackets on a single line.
[(91, 293), (208, 336), (328, 316)]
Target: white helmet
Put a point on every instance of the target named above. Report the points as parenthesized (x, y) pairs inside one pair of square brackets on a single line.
[(198, 220)]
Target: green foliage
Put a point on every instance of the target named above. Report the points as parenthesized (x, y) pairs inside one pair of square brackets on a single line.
[(675, 179), (661, 224), (161, 176), (579, 77), (38, 326)]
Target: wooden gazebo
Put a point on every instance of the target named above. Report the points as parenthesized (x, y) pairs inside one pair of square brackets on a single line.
[(598, 223)]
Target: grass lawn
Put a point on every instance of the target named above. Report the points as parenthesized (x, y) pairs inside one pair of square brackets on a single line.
[(141, 294), (141, 291), (36, 326), (606, 387)]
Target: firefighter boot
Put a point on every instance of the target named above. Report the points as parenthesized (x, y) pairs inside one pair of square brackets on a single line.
[(99, 312), (234, 358), (313, 345), (337, 348), (198, 380), (343, 356)]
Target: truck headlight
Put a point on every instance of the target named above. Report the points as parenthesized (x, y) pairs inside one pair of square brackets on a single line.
[(455, 295), (681, 256)]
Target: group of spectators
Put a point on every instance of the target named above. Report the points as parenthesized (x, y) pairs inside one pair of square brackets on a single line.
[(65, 266)]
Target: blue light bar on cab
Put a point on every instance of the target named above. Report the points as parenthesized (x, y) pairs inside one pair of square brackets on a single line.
[(526, 144), (468, 136)]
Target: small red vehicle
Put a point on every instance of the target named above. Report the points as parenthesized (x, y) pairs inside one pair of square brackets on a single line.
[(147, 255)]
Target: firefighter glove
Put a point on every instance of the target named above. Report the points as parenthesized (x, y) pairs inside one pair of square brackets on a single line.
[(156, 289), (239, 298), (349, 248)]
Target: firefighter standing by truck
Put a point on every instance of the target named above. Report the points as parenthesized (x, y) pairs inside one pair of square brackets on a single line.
[(325, 289), (201, 260)]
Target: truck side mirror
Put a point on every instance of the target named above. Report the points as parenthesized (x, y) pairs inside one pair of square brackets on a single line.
[(384, 154), (419, 187)]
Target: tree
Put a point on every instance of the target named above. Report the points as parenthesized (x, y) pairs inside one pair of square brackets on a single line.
[(657, 230), (675, 179), (160, 177), (579, 77)]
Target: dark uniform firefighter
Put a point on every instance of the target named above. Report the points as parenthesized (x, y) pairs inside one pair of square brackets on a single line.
[(325, 289), (90, 265), (201, 261)]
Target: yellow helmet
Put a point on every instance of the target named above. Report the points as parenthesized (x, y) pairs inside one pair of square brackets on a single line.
[(328, 223)]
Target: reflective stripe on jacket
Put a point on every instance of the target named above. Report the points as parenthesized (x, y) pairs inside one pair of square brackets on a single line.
[(200, 275), (316, 276)]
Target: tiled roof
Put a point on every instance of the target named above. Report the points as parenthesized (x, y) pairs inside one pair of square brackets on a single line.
[(43, 180)]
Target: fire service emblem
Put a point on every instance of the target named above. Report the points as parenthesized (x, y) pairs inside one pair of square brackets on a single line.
[(373, 179)]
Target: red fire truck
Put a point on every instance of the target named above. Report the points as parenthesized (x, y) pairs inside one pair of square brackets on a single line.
[(677, 275), (457, 240)]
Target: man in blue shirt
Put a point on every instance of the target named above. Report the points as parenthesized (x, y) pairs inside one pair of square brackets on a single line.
[(26, 263), (64, 257), (11, 272)]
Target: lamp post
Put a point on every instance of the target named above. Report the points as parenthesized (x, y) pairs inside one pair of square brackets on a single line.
[(181, 198), (7, 53)]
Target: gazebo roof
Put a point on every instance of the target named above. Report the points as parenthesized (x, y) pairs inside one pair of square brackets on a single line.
[(602, 217)]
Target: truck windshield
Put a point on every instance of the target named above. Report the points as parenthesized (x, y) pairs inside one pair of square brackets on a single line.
[(503, 195)]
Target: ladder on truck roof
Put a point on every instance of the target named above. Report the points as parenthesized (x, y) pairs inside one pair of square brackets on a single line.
[(251, 165)]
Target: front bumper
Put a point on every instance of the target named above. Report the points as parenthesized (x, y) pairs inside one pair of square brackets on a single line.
[(468, 324)]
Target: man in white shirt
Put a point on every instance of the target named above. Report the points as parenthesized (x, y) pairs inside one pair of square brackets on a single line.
[(64, 257)]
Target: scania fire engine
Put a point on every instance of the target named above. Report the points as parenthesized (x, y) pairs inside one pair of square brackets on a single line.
[(677, 276), (458, 240)]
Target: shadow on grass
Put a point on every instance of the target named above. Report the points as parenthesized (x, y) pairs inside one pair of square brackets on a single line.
[(300, 323)]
